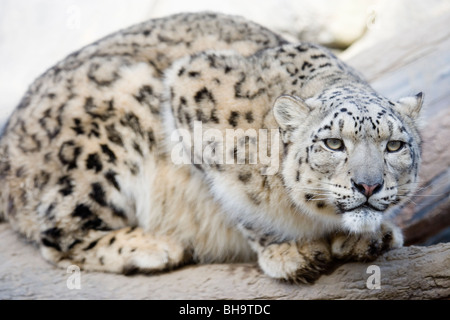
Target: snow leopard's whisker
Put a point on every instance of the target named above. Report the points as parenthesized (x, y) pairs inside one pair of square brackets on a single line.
[(322, 193), (314, 193), (422, 195), (315, 190), (408, 183)]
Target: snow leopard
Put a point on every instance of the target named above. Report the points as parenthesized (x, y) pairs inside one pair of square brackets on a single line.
[(207, 138)]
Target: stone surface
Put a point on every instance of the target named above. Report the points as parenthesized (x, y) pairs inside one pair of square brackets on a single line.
[(406, 273)]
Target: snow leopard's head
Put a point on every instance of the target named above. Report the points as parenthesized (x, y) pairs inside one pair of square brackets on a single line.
[(350, 156)]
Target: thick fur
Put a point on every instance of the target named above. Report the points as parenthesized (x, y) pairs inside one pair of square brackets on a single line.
[(88, 169)]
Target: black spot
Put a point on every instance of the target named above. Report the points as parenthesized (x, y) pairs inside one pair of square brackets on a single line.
[(306, 64), (20, 171), (94, 162), (343, 109), (227, 69), (107, 151), (41, 180), (100, 82), (118, 212), (145, 97), (245, 177), (69, 153), (137, 148), (317, 56), (50, 244), (131, 121), (91, 245), (238, 91), (96, 112), (325, 65), (181, 71), (82, 211), (94, 130), (131, 230), (67, 184), (74, 243), (95, 224), (51, 124), (49, 210), (297, 178), (213, 116), (204, 95), (113, 239), (194, 74), (249, 117), (110, 176), (301, 48), (233, 119), (113, 135), (187, 116), (307, 155), (151, 138), (133, 167), (98, 194), (77, 128), (129, 270), (309, 197), (54, 233), (320, 205), (200, 115)]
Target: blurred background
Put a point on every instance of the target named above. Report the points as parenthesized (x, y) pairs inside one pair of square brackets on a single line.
[(35, 34)]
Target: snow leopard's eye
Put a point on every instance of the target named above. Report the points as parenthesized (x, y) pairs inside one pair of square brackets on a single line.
[(394, 146), (334, 144)]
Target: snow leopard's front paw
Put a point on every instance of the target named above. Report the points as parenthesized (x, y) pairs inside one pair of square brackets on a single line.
[(295, 261), (366, 247)]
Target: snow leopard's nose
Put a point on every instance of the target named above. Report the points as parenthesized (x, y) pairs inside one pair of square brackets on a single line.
[(367, 190)]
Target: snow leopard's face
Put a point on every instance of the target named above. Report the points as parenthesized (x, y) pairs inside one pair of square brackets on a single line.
[(353, 161)]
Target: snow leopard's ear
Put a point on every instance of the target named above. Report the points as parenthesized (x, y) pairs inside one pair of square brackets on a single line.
[(290, 112), (410, 106)]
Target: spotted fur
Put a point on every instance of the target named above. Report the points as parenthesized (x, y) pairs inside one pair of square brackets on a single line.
[(86, 169)]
